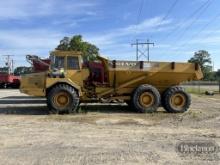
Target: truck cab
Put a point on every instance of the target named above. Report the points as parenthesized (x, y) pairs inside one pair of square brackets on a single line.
[(65, 66)]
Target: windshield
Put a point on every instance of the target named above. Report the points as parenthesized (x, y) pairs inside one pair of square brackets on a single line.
[(59, 62)]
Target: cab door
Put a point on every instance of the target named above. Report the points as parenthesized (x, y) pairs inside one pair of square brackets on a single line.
[(74, 70)]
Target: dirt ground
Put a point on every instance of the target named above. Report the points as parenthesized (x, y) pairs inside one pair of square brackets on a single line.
[(111, 134)]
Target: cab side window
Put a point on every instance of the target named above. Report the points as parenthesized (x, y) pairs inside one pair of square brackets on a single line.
[(73, 63), (59, 62)]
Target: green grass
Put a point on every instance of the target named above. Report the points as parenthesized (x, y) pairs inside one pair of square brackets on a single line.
[(195, 90)]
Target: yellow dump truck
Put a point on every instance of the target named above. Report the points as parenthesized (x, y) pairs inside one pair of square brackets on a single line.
[(143, 85)]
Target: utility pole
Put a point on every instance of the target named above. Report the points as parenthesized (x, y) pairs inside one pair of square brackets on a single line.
[(213, 67), (9, 63), (140, 52), (219, 86)]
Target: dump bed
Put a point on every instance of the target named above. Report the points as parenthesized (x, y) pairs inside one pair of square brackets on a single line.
[(159, 74)]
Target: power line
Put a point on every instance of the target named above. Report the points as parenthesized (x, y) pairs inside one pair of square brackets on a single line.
[(199, 32), (195, 19), (170, 10), (202, 29), (140, 11), (199, 11), (210, 33), (186, 19), (167, 14), (173, 5)]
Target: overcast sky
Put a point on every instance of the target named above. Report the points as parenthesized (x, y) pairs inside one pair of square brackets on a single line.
[(178, 27)]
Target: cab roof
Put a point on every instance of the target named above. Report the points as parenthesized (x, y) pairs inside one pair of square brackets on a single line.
[(65, 53), (73, 53)]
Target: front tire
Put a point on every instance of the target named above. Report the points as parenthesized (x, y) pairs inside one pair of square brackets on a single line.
[(62, 99), (146, 99), (176, 100)]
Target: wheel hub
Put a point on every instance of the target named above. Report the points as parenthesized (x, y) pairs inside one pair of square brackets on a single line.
[(61, 99), (178, 101), (146, 99)]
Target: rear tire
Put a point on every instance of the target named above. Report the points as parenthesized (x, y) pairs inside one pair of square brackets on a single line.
[(146, 99), (176, 100), (62, 99)]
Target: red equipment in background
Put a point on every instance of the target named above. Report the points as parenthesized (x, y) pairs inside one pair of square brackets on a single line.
[(7, 78)]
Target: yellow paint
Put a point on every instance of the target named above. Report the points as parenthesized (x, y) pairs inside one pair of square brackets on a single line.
[(123, 79)]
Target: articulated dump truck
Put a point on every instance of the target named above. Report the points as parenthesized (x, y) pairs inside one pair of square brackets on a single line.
[(144, 86)]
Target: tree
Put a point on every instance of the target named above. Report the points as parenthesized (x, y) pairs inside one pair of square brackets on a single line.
[(218, 74), (202, 57), (4, 69), (22, 70), (76, 43)]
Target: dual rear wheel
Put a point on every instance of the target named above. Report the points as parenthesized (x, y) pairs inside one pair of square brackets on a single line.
[(147, 99)]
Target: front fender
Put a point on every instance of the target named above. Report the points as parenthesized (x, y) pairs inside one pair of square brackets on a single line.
[(54, 81)]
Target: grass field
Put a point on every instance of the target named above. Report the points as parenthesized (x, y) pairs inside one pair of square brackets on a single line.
[(201, 89)]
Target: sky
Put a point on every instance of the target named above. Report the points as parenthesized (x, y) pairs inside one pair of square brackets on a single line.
[(177, 27)]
